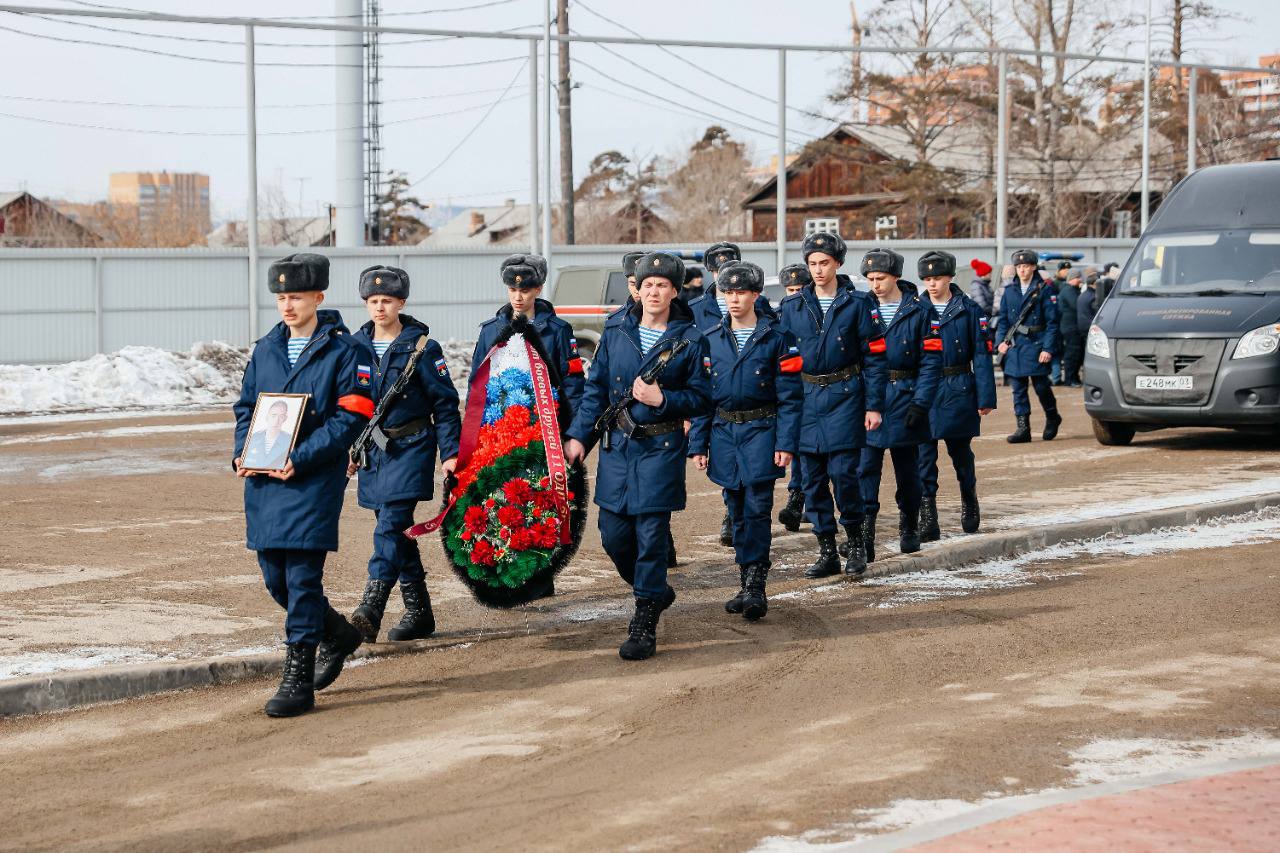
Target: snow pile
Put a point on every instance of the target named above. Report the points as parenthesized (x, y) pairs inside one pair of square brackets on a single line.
[(133, 377), (458, 355)]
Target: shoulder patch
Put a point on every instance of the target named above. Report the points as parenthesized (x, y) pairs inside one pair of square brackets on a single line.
[(442, 367), (362, 375)]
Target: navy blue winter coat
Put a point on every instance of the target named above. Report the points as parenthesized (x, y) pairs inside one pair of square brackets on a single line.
[(707, 313), (766, 372), (557, 340), (1023, 357), (407, 470), (833, 415), (910, 346), (643, 475), (302, 512), (966, 341)]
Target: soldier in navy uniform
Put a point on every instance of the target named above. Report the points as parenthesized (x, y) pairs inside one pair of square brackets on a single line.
[(842, 348), (1028, 356), (748, 442), (966, 392), (914, 360), (291, 515), (640, 478), (793, 278), (423, 420)]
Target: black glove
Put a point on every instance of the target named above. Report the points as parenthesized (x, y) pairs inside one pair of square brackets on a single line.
[(916, 416)]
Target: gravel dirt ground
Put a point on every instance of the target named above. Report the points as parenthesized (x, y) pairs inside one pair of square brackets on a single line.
[(524, 730)]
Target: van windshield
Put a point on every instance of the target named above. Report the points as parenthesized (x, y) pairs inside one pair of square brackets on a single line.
[(1204, 263)]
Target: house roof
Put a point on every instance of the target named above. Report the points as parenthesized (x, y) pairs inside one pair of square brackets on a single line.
[(1088, 163), (9, 197), (502, 225), (296, 231)]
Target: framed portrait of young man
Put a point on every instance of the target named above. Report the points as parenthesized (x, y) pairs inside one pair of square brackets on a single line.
[(273, 431)]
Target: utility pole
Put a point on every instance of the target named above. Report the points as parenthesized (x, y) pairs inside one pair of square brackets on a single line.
[(565, 90), (859, 105)]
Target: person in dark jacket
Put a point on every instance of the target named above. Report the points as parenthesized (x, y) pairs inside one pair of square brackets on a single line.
[(1068, 326), (793, 278), (1028, 355), (422, 420), (640, 475), (966, 392), (980, 289), (291, 515), (913, 357), (747, 444), (842, 350), (694, 285), (1087, 307), (633, 291)]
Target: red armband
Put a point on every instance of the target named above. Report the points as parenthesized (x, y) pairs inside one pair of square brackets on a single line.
[(575, 367), (791, 364), (933, 344), (990, 346), (356, 404), (878, 345)]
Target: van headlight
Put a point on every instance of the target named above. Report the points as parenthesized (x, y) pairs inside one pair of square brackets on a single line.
[(1097, 344), (1263, 340)]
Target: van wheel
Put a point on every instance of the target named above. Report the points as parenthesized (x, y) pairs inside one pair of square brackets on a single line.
[(1112, 434)]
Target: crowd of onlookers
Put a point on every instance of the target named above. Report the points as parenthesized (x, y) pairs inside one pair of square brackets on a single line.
[(1080, 292)]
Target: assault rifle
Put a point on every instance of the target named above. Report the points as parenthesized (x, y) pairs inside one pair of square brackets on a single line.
[(373, 432), (1022, 316), (604, 424)]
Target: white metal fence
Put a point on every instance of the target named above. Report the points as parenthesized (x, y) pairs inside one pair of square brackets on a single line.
[(67, 304)]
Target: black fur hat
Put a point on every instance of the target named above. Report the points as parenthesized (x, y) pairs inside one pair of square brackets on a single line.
[(524, 271), (1025, 256), (793, 274), (826, 244), (629, 262), (719, 254), (1064, 265), (936, 263), (299, 273), (692, 274), (384, 281), (883, 260), (661, 265), (740, 275)]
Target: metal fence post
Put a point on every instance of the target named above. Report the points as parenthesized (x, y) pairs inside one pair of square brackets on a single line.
[(535, 241), (1002, 157), (1146, 126), (782, 159), (546, 139), (251, 117), (98, 335), (1191, 120)]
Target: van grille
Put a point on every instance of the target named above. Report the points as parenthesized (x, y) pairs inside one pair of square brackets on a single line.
[(1195, 357)]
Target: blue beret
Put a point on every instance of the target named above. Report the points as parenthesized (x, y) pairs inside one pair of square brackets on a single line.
[(740, 275), (384, 281), (299, 273), (883, 260), (936, 263), (825, 244)]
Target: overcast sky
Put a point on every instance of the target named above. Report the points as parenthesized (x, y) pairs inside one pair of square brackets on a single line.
[(193, 110)]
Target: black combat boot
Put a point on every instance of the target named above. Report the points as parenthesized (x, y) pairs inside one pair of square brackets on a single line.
[(642, 633), (970, 514), (754, 603), (340, 639), (852, 539), (368, 613), (418, 621), (828, 562), (726, 530), (1022, 434), (734, 605), (908, 532), (295, 695), (929, 531), (793, 513), (1052, 420), (869, 536), (855, 565)]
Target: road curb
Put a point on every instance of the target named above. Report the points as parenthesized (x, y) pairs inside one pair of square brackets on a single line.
[(66, 690)]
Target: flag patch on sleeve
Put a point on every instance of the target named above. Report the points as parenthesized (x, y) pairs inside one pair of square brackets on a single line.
[(362, 375), (441, 367)]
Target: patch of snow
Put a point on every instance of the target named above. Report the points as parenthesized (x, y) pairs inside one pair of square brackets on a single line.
[(129, 413), (1231, 491), (90, 657), (120, 432), (458, 355), (134, 376)]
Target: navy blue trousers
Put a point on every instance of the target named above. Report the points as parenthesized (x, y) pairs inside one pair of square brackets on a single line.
[(822, 473), (904, 473), (961, 452), (796, 484), (637, 544), (1021, 400), (750, 507), (395, 556), (295, 579)]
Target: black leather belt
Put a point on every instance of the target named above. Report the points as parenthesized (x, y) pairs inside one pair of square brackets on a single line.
[(903, 374), (631, 429), (957, 370), (747, 415), (832, 378), (1029, 330), (407, 428)]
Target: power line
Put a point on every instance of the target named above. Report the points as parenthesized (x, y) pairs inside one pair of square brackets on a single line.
[(485, 5), (76, 102)]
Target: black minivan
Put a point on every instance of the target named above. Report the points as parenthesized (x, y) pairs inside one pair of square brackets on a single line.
[(1190, 334)]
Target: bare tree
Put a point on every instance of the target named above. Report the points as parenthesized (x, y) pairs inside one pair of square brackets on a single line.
[(702, 193)]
